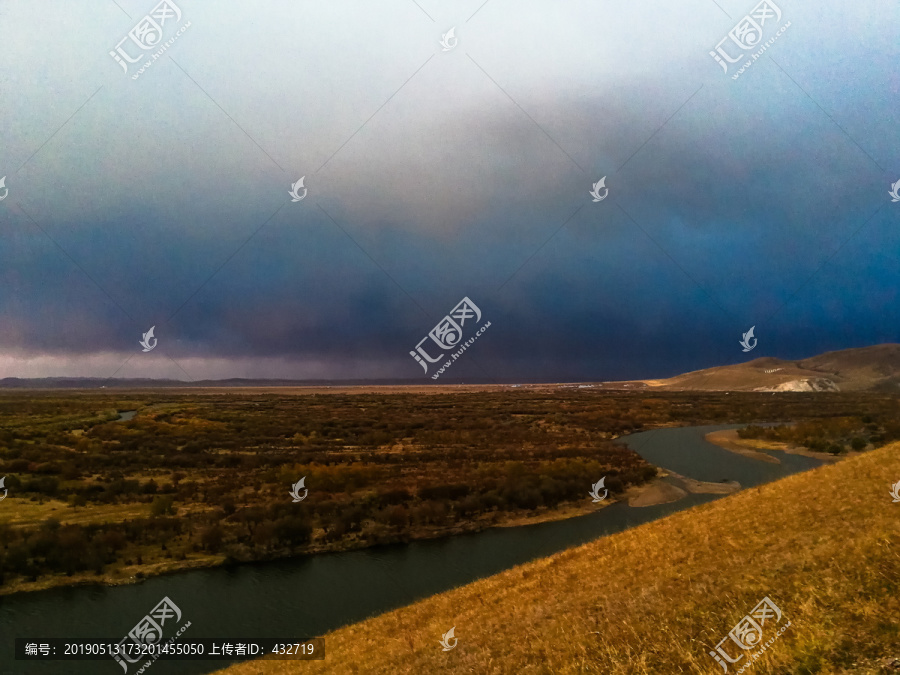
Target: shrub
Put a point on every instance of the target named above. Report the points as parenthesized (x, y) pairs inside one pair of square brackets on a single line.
[(293, 531), (212, 537), (163, 506)]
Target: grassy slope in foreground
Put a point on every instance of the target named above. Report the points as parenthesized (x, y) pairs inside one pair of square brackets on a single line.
[(823, 545)]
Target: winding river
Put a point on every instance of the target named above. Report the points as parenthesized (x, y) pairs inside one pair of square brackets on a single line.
[(307, 597)]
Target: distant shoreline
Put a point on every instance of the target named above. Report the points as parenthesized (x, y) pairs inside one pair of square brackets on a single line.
[(748, 447)]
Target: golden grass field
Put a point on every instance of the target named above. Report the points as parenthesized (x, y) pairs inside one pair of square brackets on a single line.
[(28, 513), (823, 545)]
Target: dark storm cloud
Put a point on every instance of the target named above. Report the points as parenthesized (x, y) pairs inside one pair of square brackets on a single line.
[(725, 198)]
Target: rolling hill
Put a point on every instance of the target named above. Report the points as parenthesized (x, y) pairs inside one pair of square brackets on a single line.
[(860, 369)]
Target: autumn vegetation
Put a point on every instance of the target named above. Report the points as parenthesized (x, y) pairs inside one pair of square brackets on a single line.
[(197, 479), (836, 435)]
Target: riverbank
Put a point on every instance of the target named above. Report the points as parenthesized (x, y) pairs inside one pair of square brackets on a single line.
[(751, 447), (661, 492), (653, 493), (134, 574)]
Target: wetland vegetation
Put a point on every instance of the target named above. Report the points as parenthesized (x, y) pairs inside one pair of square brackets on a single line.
[(202, 478)]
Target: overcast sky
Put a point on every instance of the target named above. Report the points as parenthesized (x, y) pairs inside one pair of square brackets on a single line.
[(433, 175)]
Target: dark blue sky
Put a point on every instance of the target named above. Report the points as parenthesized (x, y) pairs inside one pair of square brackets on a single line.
[(433, 175)]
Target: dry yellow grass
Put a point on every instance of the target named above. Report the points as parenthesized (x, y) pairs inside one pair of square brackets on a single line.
[(824, 546), (29, 514)]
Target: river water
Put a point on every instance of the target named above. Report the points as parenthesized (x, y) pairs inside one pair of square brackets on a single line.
[(309, 596)]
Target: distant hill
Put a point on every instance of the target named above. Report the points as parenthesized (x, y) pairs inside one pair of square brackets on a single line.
[(874, 368)]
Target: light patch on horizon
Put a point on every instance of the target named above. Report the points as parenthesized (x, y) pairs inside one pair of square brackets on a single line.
[(158, 366)]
